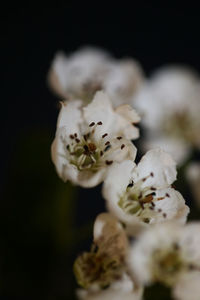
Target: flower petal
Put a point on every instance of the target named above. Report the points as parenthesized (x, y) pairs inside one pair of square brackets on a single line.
[(158, 168)]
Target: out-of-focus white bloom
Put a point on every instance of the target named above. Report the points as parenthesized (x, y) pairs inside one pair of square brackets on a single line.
[(188, 287), (166, 253), (91, 138), (108, 266), (89, 70), (193, 176), (142, 195), (170, 103)]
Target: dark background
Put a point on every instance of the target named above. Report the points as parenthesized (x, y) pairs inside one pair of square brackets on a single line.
[(42, 233)]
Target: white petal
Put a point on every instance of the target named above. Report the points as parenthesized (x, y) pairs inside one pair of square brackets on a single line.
[(100, 110), (172, 206), (127, 118), (188, 288), (161, 165), (70, 116)]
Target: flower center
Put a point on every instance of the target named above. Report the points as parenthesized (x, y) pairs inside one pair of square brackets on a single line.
[(88, 152), (167, 265), (140, 201)]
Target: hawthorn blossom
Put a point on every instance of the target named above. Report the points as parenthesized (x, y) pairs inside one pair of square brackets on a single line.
[(170, 254), (141, 195), (102, 272), (90, 139), (89, 70), (193, 176), (170, 103)]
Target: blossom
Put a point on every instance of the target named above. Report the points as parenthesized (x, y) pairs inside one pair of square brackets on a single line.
[(89, 70), (167, 253), (102, 271), (89, 139), (141, 195), (170, 103), (193, 176)]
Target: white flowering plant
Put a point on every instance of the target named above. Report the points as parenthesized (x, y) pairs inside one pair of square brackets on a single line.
[(143, 239)]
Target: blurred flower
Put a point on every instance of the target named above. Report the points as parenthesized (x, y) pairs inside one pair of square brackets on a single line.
[(102, 271), (193, 176), (90, 139), (89, 70), (170, 105), (188, 287), (142, 195), (167, 253)]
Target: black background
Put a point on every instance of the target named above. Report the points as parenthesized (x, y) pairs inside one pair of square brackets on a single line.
[(155, 35)]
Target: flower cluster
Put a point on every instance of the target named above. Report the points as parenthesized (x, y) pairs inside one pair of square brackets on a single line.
[(143, 238)]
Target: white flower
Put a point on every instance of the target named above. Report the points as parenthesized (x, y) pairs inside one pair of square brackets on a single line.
[(89, 139), (108, 269), (193, 176), (142, 195), (89, 70), (170, 105), (166, 253)]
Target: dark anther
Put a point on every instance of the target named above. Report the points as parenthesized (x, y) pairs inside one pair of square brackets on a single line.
[(71, 136), (164, 215), (99, 123), (153, 188), (130, 184), (151, 174), (122, 146), (119, 137), (159, 210), (153, 194), (92, 124), (101, 153), (107, 148), (107, 143), (167, 195), (153, 204), (109, 162), (77, 140), (67, 147), (75, 134), (104, 135)]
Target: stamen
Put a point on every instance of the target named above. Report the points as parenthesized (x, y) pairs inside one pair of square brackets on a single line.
[(75, 134), (130, 184), (91, 124), (109, 162), (122, 146), (119, 137), (153, 188), (71, 136), (101, 153), (104, 135), (152, 175), (159, 210), (99, 123), (77, 140), (167, 195), (107, 143), (67, 147), (164, 215)]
